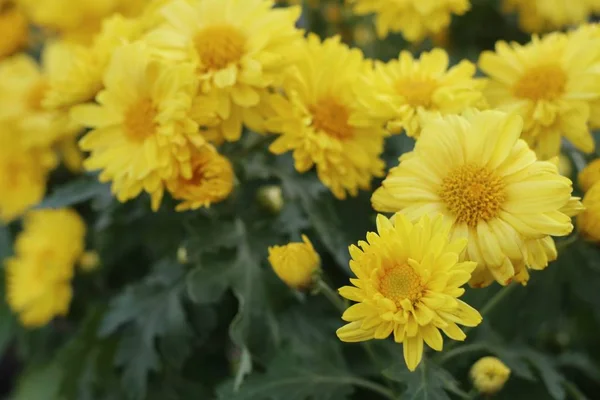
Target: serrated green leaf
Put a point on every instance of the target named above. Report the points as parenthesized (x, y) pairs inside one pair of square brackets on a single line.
[(75, 192), (207, 283)]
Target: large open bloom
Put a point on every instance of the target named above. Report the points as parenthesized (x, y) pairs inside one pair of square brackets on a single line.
[(486, 181), (549, 82), (39, 274), (142, 134), (240, 49), (403, 91), (547, 15), (408, 281), (323, 123), (416, 19)]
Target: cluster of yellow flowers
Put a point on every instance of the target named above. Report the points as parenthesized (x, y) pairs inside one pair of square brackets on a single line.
[(38, 276)]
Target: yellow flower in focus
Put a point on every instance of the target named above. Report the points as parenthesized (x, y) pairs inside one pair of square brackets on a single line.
[(211, 180), (23, 172), (38, 276), (589, 175), (240, 48), (14, 30), (295, 263), (489, 375), (415, 19), (476, 171), (408, 281), (549, 82), (141, 131), (405, 90), (322, 121), (23, 86), (77, 21), (546, 15), (588, 222), (75, 71)]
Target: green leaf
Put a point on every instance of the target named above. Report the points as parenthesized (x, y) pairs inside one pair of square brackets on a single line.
[(207, 283), (553, 380), (41, 382), (150, 310), (427, 382), (5, 242), (75, 192), (321, 376), (582, 363)]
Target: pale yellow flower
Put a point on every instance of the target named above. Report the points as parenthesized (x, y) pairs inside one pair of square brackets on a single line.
[(489, 375)]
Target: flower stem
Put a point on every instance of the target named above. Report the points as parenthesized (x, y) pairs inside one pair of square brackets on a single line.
[(563, 244), (331, 295), (498, 297)]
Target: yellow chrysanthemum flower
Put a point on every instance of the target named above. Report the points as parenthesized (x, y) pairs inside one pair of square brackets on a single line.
[(23, 172), (23, 86), (403, 91), (211, 180), (591, 32), (408, 281), (75, 71), (476, 171), (416, 19), (240, 48), (550, 83), (77, 21), (14, 30), (546, 15), (39, 275), (588, 222), (141, 129), (322, 121), (295, 263), (589, 175), (489, 375)]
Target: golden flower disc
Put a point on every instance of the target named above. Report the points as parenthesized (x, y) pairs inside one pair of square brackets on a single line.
[(331, 117), (219, 45), (544, 82), (139, 120)]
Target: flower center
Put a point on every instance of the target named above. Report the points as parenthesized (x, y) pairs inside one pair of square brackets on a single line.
[(544, 82), (417, 92), (36, 95), (472, 194), (219, 45), (401, 282), (331, 117), (139, 120)]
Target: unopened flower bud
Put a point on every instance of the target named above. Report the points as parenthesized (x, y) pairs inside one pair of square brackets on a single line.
[(271, 198), (295, 263), (182, 255), (489, 375), (89, 261)]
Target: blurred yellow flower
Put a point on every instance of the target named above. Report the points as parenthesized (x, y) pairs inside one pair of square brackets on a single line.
[(77, 21), (415, 19), (23, 86), (38, 276), (295, 263), (405, 90), (23, 172), (141, 130), (408, 281), (14, 30), (588, 222), (547, 15), (489, 375), (211, 180), (89, 261), (549, 82), (322, 121), (589, 175), (476, 171), (591, 32), (240, 49)]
